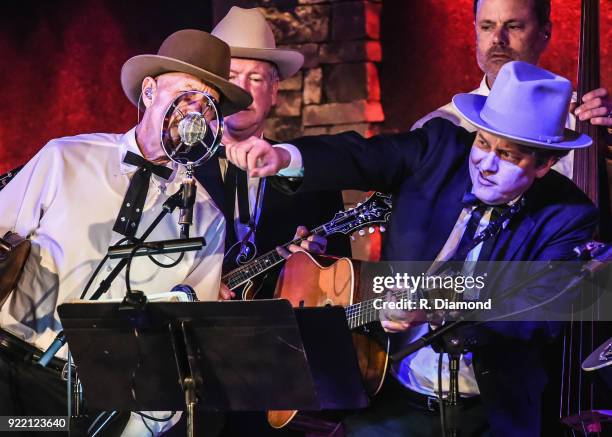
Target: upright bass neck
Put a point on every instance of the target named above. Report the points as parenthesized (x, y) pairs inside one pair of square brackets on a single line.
[(590, 165)]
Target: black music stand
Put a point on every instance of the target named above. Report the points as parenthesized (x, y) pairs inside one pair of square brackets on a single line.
[(224, 356)]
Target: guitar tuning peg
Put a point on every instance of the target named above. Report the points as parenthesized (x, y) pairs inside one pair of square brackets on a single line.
[(371, 230), (382, 229), (361, 232)]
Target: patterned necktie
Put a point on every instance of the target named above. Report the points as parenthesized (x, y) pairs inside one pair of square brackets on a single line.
[(499, 215), (133, 203)]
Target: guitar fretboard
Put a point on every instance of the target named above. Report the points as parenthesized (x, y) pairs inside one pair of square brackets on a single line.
[(364, 312), (242, 274), (376, 209)]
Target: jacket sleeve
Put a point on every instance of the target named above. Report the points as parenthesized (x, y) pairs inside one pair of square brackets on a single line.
[(381, 163)]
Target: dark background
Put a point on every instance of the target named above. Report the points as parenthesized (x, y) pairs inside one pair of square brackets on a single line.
[(60, 60)]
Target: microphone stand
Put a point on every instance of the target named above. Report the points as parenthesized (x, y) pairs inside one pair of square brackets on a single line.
[(188, 191), (131, 300), (454, 344)]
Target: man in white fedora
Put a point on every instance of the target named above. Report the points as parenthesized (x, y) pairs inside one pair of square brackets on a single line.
[(260, 218), (448, 186), (73, 201)]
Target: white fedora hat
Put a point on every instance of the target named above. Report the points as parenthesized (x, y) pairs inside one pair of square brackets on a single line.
[(249, 36), (527, 105)]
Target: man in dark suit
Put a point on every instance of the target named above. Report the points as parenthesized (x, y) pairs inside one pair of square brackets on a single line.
[(260, 218), (448, 185)]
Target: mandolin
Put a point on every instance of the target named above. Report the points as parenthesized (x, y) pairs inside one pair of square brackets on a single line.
[(376, 209)]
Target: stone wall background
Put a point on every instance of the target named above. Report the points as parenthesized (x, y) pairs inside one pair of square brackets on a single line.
[(338, 88)]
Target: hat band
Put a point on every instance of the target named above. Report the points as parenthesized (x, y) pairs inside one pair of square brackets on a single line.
[(517, 124), (550, 140)]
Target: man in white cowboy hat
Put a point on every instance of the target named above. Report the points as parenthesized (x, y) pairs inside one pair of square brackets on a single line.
[(258, 216), (520, 30), (448, 184), (72, 201)]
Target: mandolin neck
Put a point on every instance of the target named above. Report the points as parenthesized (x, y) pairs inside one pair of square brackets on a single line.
[(242, 274)]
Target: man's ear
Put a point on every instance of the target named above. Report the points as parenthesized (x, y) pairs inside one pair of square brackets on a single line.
[(546, 32), (148, 89), (274, 91), (545, 168)]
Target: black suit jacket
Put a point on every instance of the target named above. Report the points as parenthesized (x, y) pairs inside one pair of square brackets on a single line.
[(427, 173), (281, 215)]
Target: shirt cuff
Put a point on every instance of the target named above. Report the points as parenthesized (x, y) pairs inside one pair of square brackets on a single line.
[(295, 169)]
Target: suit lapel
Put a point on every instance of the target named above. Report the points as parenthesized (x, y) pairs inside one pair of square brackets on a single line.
[(511, 240)]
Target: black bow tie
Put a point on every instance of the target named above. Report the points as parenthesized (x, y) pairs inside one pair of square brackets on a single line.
[(139, 161), (133, 203), (499, 215)]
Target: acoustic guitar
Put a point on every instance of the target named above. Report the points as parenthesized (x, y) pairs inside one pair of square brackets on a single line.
[(376, 209), (309, 282)]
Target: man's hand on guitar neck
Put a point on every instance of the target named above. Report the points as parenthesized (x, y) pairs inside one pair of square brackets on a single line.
[(225, 293), (396, 320), (314, 243)]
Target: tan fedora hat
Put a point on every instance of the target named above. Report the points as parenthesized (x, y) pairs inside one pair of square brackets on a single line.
[(249, 36), (193, 52)]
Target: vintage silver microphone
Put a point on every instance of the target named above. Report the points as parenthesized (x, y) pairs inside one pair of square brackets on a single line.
[(190, 135)]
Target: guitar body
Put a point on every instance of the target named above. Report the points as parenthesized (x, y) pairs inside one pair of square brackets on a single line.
[(309, 282)]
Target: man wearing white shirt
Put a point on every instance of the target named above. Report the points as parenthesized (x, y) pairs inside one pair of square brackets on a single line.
[(67, 201)]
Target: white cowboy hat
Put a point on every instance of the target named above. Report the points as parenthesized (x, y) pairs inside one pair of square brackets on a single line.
[(249, 36), (527, 105), (193, 52)]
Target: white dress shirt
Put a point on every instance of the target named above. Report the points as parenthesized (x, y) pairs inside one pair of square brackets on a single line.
[(66, 200), (419, 371)]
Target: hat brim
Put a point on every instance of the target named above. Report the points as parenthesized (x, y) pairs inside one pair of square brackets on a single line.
[(287, 61), (135, 69), (470, 105)]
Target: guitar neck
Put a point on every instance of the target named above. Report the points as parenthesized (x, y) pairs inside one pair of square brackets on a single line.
[(364, 312), (244, 273)]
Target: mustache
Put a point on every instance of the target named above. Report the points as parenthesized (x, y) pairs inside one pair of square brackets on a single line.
[(502, 51)]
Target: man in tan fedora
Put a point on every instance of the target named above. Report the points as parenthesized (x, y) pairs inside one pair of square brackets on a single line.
[(71, 200), (264, 218)]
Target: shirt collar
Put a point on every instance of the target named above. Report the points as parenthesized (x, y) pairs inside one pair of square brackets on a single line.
[(483, 89), (128, 143)]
